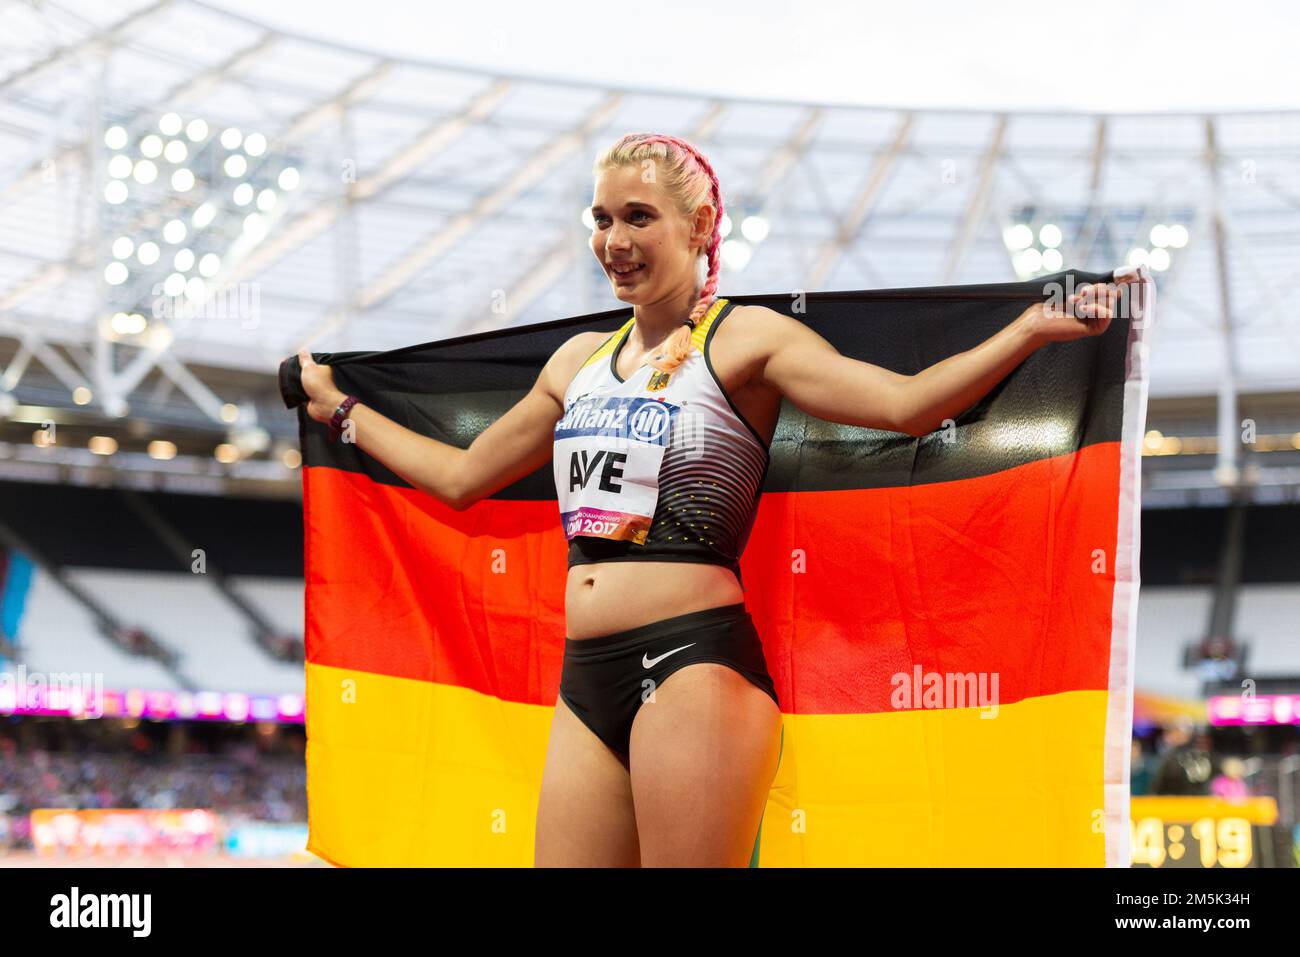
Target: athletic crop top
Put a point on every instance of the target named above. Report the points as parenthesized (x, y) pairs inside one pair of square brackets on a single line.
[(660, 467)]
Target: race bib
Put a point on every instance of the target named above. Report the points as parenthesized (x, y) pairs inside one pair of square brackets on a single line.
[(607, 454)]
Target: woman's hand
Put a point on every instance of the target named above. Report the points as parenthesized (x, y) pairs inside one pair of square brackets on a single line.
[(318, 383), (1086, 313)]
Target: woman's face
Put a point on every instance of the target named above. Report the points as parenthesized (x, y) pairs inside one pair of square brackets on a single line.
[(637, 223)]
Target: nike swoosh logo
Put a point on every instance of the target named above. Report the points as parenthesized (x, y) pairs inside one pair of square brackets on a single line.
[(648, 662)]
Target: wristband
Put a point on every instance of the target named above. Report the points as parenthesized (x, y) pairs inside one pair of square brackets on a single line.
[(340, 415)]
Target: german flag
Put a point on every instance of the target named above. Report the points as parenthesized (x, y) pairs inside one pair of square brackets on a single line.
[(949, 620)]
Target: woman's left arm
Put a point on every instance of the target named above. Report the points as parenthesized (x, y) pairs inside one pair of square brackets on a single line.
[(825, 383), (948, 388)]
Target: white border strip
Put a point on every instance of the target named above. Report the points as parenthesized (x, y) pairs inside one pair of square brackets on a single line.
[(1128, 541)]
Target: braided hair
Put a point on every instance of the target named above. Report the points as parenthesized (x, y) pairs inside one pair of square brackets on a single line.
[(689, 178)]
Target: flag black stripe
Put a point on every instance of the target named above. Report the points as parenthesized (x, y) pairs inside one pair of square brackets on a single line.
[(1064, 397)]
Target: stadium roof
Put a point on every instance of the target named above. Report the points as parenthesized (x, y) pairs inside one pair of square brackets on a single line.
[(426, 201)]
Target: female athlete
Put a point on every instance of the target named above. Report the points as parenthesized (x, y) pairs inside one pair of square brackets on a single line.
[(667, 731)]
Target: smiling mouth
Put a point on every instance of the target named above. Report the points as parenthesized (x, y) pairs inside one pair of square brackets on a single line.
[(618, 270)]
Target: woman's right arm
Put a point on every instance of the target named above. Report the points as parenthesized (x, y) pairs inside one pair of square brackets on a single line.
[(515, 445)]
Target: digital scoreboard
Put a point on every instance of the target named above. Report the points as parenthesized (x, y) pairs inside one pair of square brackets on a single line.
[(1171, 831)]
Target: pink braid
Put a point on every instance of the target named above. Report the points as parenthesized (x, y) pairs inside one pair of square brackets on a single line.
[(715, 241)]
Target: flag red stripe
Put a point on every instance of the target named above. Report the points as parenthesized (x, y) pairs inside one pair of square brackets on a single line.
[(967, 577)]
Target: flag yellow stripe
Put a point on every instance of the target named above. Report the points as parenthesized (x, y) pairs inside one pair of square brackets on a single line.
[(405, 772)]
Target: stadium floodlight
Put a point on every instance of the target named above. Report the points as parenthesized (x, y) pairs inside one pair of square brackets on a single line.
[(1164, 237), (1029, 261), (1035, 250), (754, 228), (1020, 236), (145, 172), (204, 215), (250, 441), (128, 324), (182, 184), (736, 254)]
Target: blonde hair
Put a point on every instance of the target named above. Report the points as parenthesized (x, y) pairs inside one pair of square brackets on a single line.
[(688, 178)]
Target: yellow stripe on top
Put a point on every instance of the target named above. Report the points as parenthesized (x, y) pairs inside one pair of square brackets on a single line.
[(608, 345), (697, 337), (702, 327)]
